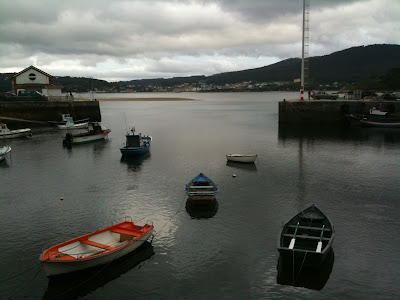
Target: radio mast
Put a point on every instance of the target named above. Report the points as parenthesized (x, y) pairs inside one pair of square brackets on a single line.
[(304, 50)]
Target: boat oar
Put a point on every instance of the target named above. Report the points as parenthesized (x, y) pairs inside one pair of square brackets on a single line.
[(319, 246), (291, 246)]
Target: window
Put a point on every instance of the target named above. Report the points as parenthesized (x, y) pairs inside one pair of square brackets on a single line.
[(32, 76)]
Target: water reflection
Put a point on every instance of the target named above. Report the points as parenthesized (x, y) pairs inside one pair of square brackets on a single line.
[(310, 278), (80, 284), (311, 133), (135, 162), (4, 164), (201, 211), (243, 166)]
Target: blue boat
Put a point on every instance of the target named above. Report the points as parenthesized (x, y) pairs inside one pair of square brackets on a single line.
[(201, 189), (136, 143)]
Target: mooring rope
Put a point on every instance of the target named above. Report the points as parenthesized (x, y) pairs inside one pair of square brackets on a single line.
[(184, 197), (24, 282)]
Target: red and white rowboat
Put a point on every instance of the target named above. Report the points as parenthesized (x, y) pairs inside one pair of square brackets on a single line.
[(94, 249)]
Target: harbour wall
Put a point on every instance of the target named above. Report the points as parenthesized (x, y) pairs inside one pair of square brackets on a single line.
[(44, 111), (328, 112)]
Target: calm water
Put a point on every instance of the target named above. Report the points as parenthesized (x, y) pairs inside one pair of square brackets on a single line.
[(227, 251)]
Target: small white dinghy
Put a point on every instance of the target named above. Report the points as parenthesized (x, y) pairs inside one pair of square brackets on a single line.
[(71, 125), (6, 133), (243, 158)]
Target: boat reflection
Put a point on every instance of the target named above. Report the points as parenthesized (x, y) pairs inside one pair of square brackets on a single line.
[(251, 167), (135, 162), (310, 278), (201, 211), (80, 284), (333, 133)]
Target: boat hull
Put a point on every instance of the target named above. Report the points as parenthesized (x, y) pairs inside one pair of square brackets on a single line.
[(199, 199), (90, 138), (4, 151), (380, 123), (75, 126), (303, 235), (54, 268), (241, 158), (134, 150), (16, 133)]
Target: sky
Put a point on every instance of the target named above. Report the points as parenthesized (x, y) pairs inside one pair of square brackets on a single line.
[(121, 40)]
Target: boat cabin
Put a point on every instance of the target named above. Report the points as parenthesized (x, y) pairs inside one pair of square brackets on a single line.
[(133, 140)]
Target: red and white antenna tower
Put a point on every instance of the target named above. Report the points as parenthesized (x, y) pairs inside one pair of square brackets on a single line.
[(304, 52)]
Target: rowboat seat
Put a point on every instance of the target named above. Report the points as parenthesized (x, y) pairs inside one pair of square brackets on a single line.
[(310, 227), (125, 231), (98, 245), (309, 237)]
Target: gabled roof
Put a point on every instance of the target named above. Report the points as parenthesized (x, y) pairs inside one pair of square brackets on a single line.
[(34, 68)]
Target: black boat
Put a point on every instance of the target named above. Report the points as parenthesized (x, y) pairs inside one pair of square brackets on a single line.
[(307, 238)]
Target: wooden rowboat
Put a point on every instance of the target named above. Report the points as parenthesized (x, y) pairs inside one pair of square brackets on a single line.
[(201, 190), (94, 249), (307, 238), (243, 158)]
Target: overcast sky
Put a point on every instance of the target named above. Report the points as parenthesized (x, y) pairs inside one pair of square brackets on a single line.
[(136, 39)]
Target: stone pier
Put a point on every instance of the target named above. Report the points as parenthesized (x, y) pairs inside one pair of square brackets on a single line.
[(43, 111), (328, 112)]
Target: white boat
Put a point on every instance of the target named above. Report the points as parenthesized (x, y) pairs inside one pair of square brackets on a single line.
[(95, 133), (3, 152), (244, 158), (64, 120), (6, 133), (71, 124), (94, 249)]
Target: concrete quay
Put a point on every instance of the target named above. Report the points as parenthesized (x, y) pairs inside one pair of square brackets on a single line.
[(39, 112), (328, 112)]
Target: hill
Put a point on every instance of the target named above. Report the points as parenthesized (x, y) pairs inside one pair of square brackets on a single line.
[(373, 66)]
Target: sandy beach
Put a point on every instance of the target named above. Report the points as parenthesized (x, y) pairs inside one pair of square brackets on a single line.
[(145, 99)]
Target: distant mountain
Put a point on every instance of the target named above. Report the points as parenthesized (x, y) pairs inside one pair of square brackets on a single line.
[(367, 64), (350, 65)]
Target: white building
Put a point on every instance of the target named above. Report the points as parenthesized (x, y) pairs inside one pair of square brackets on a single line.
[(35, 79)]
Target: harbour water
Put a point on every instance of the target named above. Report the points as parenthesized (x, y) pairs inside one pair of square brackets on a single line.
[(225, 251)]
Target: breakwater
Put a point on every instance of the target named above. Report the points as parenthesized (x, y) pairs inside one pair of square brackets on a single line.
[(43, 111), (328, 112)]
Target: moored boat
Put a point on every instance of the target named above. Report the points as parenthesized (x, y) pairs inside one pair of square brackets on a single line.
[(94, 133), (243, 158), (6, 133), (70, 124), (136, 143), (4, 151), (374, 120), (94, 249), (307, 238), (201, 189), (64, 120)]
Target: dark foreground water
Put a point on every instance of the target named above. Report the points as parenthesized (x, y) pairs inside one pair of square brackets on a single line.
[(228, 251)]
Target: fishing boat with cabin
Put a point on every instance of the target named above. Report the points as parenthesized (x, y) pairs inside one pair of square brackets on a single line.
[(136, 143), (94, 133), (70, 124), (307, 238), (94, 249)]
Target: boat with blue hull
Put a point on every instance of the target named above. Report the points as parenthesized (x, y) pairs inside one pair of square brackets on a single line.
[(375, 118), (201, 190), (136, 144)]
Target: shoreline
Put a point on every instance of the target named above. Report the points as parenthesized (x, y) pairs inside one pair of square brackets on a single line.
[(145, 99)]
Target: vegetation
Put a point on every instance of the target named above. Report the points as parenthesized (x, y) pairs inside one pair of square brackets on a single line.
[(374, 67)]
